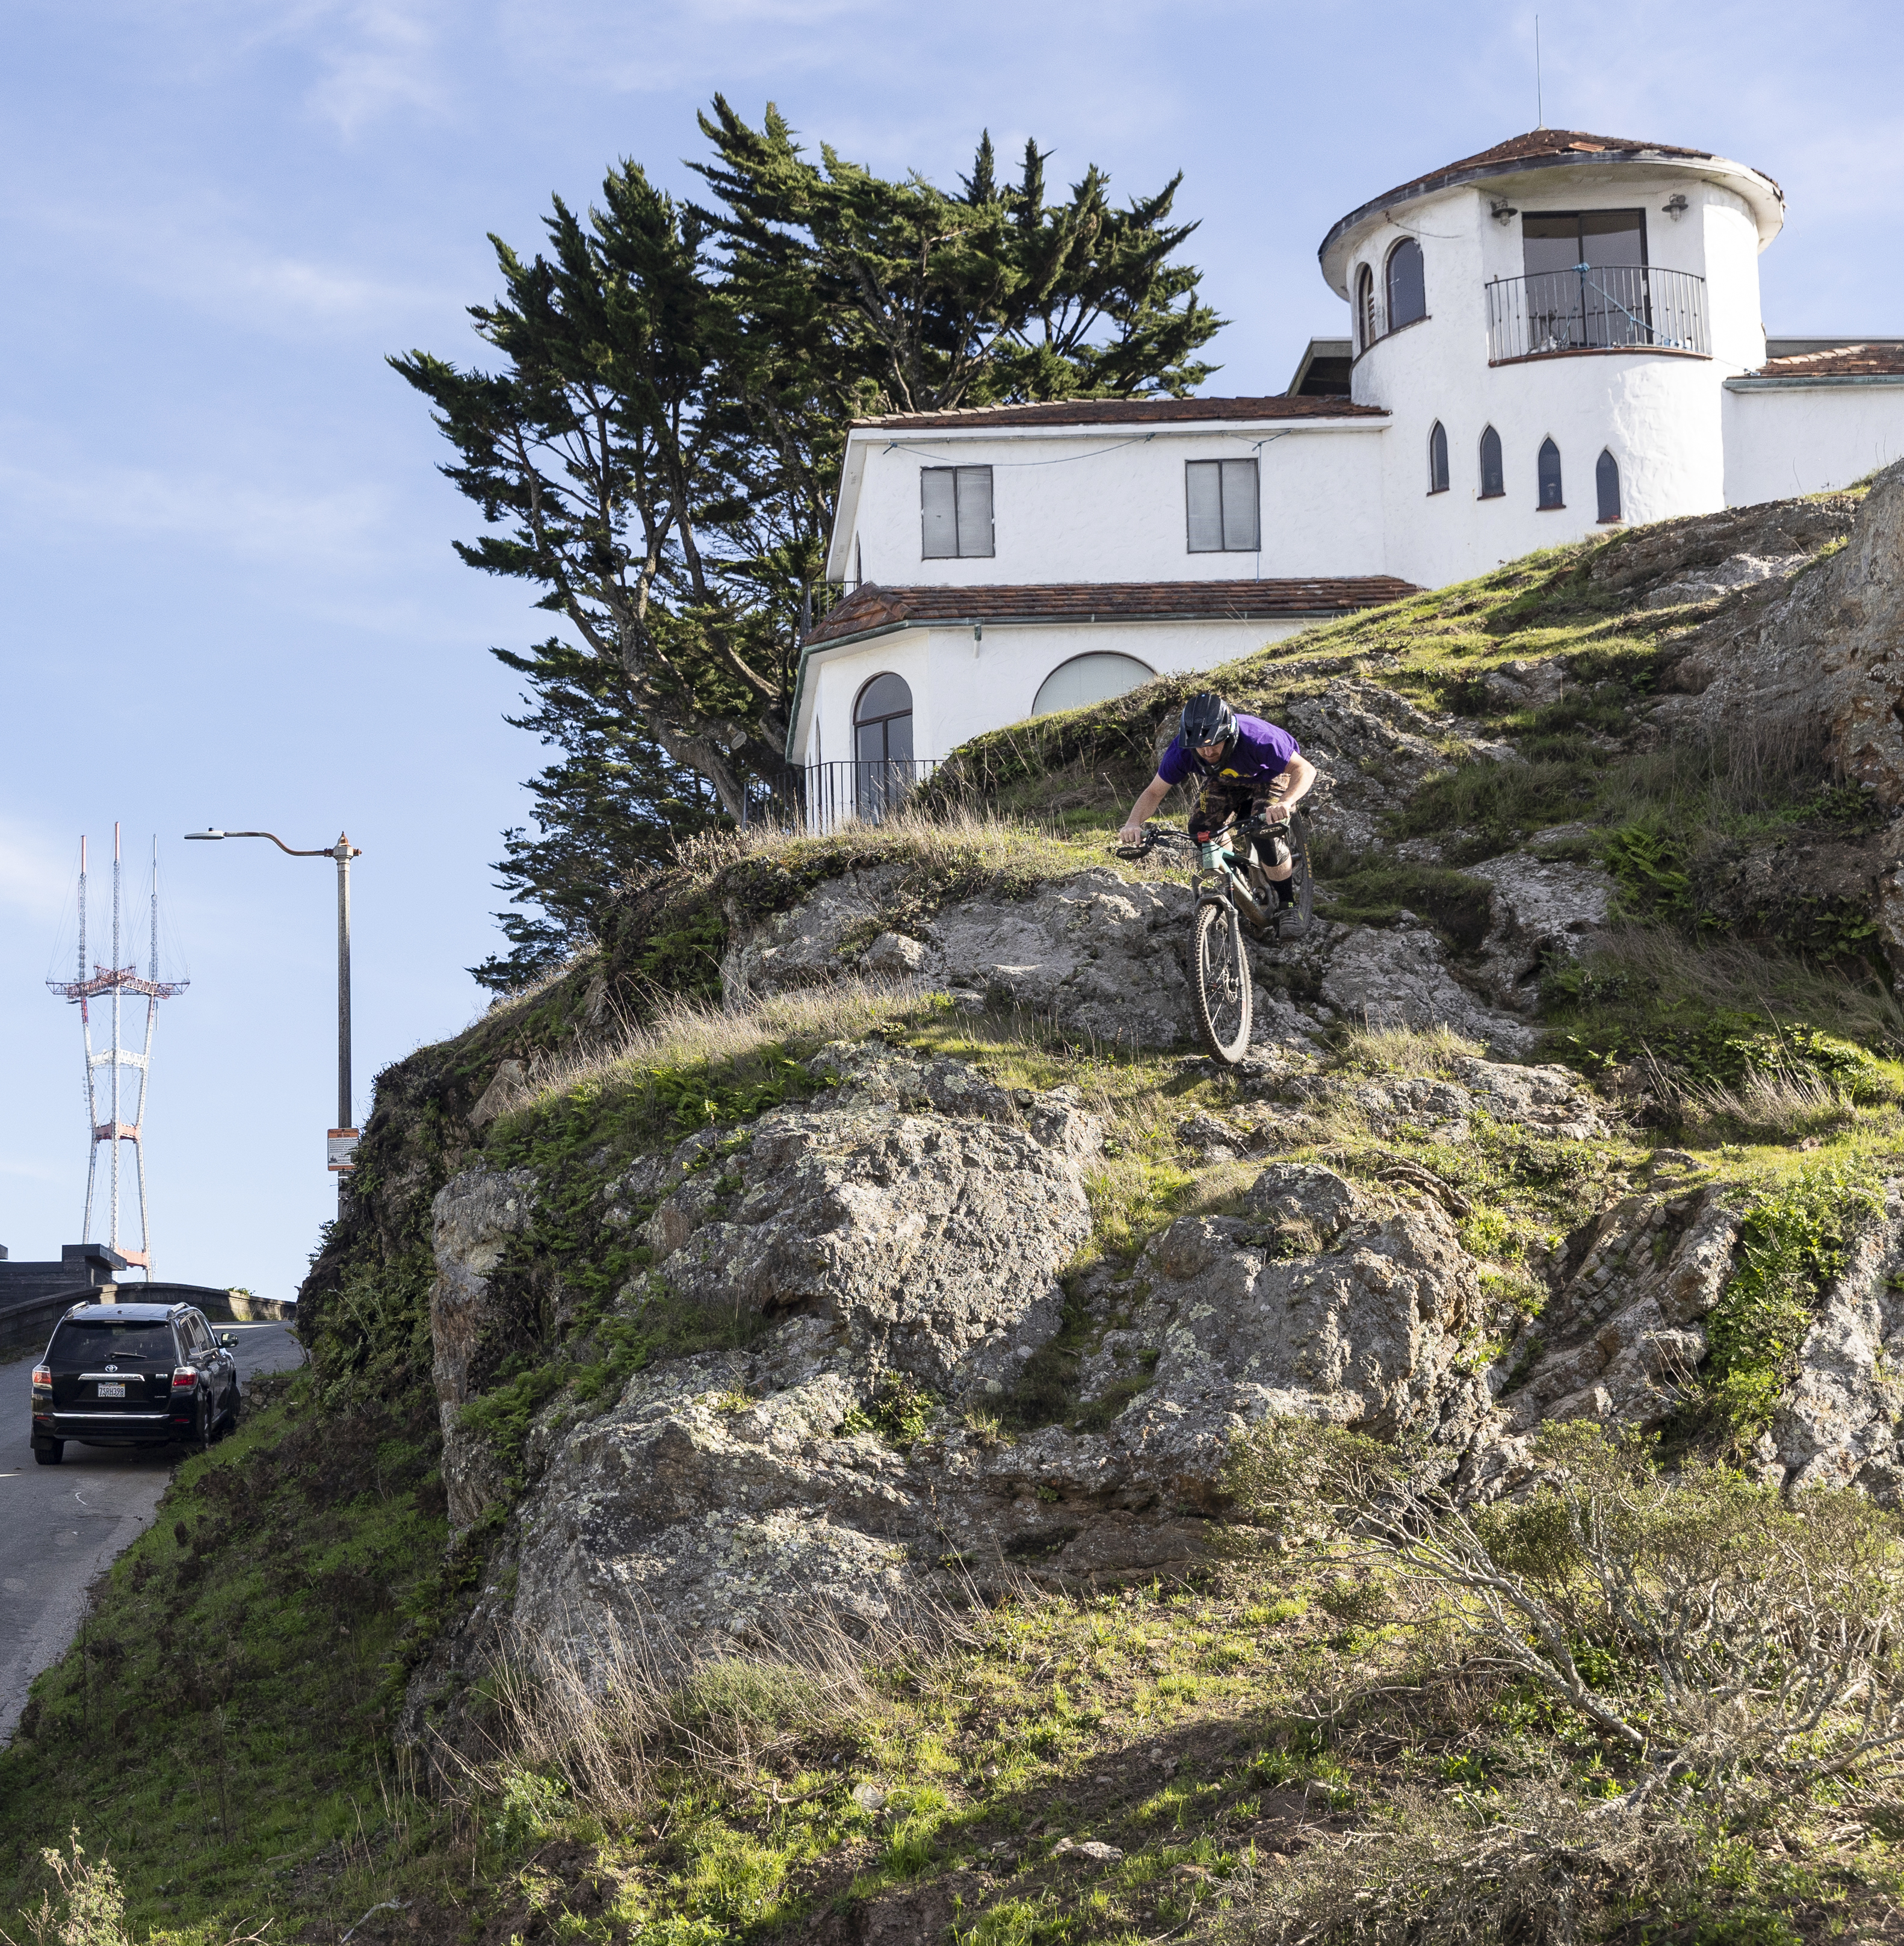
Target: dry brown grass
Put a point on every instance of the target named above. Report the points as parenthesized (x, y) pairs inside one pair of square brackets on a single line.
[(687, 1033), (1408, 1051), (615, 1710)]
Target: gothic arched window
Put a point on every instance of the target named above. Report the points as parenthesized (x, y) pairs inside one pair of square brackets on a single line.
[(1549, 476), (1438, 459), (1364, 306), (1606, 478), (1494, 482)]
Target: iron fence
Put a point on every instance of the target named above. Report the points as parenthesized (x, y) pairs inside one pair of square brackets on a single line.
[(1589, 308), (834, 794)]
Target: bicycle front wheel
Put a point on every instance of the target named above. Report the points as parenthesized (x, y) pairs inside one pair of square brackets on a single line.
[(1293, 921), (1219, 986)]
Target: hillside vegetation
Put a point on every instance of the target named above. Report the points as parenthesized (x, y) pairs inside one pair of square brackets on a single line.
[(1619, 1673)]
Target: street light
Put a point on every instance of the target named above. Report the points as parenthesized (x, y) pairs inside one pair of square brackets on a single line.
[(344, 1138)]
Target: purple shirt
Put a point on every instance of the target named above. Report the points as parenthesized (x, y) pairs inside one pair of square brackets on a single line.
[(1258, 750)]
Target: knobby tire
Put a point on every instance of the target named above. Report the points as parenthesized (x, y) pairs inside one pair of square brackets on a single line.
[(1301, 882), (1220, 981)]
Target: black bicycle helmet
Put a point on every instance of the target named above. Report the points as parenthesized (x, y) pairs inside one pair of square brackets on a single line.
[(1207, 719)]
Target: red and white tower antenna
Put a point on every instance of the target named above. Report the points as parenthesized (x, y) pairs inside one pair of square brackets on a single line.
[(118, 981)]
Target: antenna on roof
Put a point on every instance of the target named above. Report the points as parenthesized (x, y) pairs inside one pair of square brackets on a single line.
[(1540, 104)]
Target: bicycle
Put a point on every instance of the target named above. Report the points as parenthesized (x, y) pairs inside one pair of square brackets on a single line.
[(1233, 896)]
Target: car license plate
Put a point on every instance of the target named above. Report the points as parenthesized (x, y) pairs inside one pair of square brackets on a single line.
[(106, 1390)]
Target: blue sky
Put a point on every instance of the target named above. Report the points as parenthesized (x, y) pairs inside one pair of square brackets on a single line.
[(230, 595)]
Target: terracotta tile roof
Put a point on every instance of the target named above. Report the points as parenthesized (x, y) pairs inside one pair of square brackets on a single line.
[(1841, 361), (1123, 412), (873, 607), (1540, 145)]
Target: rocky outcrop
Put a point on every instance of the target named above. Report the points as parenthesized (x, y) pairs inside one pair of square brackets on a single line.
[(1541, 912), (1399, 977), (925, 1217), (1622, 1335), (473, 1219), (1375, 748), (1816, 664), (1838, 1424), (899, 1239), (1102, 956)]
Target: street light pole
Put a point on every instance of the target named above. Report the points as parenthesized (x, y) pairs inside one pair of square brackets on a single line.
[(344, 1138)]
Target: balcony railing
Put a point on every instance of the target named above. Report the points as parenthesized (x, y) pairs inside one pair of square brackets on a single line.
[(838, 793), (1621, 308)]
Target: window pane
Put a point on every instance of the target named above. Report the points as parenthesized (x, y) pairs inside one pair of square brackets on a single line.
[(1203, 483), (974, 510), (1549, 243), (1493, 485), (1239, 505), (1609, 237), (1606, 477), (899, 739), (869, 743), (1365, 304), (939, 513), (1407, 290), (884, 696), (1438, 459), (1095, 678), (1550, 472)]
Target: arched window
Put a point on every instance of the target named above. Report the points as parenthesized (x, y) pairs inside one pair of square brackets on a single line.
[(1550, 474), (1408, 291), (882, 745), (1365, 305), (1095, 677), (1606, 478), (1493, 480), (1438, 459)]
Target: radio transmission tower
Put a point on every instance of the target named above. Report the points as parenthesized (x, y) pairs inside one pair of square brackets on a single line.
[(118, 981)]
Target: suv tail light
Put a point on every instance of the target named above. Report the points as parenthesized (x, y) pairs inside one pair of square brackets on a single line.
[(184, 1377), (43, 1376)]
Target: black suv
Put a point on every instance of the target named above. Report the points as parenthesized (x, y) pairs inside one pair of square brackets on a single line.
[(132, 1375)]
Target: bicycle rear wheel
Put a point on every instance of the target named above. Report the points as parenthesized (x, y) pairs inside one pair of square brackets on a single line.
[(1292, 922), (1219, 985)]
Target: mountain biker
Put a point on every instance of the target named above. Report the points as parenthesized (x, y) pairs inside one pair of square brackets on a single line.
[(1253, 771)]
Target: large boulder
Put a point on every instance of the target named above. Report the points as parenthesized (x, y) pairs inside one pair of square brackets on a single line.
[(1102, 956)]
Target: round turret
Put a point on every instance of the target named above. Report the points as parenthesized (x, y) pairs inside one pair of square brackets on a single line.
[(1550, 323)]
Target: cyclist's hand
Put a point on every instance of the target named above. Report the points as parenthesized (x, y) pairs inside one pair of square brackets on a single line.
[(1131, 835)]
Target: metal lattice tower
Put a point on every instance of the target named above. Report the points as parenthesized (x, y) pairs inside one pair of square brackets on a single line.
[(118, 981)]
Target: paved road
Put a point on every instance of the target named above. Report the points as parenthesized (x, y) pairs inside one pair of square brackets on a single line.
[(63, 1525)]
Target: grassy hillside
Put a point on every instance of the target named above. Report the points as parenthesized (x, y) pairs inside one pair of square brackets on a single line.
[(1311, 1737)]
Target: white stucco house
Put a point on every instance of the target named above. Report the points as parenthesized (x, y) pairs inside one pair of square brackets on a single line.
[(1558, 334)]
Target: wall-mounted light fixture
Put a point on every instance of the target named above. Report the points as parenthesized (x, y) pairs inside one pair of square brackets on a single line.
[(1502, 210), (1676, 206)]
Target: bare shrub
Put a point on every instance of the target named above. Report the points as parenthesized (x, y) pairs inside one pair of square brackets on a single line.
[(1542, 1870), (1736, 1649)]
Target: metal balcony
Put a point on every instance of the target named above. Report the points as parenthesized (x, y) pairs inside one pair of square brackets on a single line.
[(1589, 308)]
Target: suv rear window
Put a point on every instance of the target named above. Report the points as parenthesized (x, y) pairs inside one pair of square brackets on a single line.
[(81, 1345)]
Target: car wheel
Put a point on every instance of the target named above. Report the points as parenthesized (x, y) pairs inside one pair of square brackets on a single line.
[(51, 1453), (202, 1427), (234, 1406)]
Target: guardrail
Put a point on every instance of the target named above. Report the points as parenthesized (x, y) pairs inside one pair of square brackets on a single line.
[(1622, 308), (844, 792)]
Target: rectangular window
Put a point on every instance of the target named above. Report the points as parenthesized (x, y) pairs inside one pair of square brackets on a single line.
[(1221, 497), (956, 512)]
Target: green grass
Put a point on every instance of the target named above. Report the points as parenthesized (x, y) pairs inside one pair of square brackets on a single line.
[(218, 1728)]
